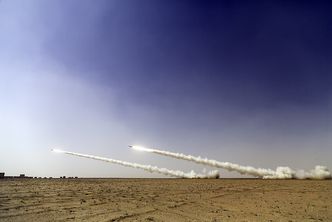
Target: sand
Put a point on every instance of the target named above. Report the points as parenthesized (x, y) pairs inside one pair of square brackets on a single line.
[(165, 200)]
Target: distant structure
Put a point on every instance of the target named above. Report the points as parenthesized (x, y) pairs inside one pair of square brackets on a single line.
[(2, 176)]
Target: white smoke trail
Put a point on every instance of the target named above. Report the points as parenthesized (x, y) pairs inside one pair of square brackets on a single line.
[(320, 172), (258, 172), (148, 168)]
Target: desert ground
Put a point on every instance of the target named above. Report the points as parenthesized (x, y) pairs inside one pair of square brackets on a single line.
[(165, 200)]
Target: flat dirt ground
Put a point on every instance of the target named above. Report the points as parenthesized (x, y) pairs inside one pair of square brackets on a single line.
[(165, 200)]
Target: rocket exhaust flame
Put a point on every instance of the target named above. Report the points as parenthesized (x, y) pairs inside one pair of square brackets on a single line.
[(320, 172), (148, 168)]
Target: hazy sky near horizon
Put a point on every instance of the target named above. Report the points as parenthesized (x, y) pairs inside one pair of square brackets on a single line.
[(236, 81)]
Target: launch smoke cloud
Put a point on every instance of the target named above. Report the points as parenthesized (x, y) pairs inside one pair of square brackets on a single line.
[(319, 172), (148, 168)]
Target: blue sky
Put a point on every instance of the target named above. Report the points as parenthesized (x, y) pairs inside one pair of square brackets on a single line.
[(235, 81)]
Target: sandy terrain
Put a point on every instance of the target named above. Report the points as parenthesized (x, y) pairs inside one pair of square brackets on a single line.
[(165, 200)]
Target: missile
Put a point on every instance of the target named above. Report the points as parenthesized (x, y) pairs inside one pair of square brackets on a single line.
[(141, 148), (57, 151)]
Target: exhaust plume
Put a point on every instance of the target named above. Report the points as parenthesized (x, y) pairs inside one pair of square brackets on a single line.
[(148, 168), (320, 172)]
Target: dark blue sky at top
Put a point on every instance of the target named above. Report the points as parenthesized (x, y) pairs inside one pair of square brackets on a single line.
[(197, 61), (246, 54)]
